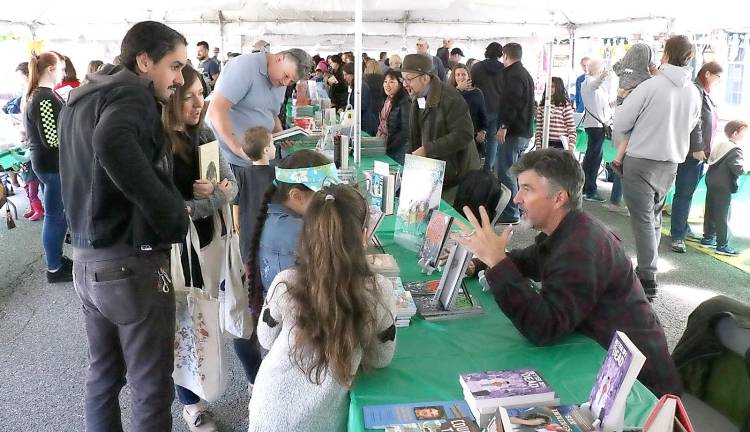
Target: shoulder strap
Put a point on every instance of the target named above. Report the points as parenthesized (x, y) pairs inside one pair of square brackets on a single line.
[(592, 115)]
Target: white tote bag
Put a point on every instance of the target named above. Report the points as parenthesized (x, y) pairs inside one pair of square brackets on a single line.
[(212, 256), (235, 304), (199, 363)]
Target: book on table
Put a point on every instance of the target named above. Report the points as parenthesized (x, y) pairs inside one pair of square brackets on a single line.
[(208, 161), (463, 424), (486, 391), (421, 189), (668, 415), (567, 418), (614, 381), (449, 300), (290, 133), (437, 233), (605, 409), (405, 306), (420, 414)]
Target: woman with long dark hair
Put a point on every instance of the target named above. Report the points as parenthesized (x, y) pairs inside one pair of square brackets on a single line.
[(562, 124), (337, 87), (394, 117), (43, 106), (183, 120), (461, 80)]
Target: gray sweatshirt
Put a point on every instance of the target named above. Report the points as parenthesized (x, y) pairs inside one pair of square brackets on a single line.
[(659, 115)]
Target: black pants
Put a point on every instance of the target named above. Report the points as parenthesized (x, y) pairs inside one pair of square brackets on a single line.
[(716, 219), (592, 160), (130, 326)]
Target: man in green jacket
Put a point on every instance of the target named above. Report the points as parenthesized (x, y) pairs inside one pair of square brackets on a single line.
[(440, 125)]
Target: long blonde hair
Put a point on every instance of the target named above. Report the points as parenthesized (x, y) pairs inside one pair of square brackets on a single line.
[(334, 289)]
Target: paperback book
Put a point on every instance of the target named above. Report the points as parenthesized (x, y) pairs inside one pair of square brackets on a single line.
[(517, 387), (619, 371), (208, 161), (405, 306), (463, 424), (437, 232), (567, 418), (421, 189), (294, 131), (421, 414)]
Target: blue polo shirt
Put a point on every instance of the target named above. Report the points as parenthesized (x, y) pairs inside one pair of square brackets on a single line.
[(244, 82)]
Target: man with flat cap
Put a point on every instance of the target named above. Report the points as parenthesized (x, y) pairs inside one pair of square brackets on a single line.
[(440, 124)]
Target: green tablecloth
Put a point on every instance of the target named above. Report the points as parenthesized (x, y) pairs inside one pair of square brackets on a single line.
[(430, 355)]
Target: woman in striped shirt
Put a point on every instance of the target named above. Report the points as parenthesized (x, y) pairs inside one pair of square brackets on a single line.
[(562, 125)]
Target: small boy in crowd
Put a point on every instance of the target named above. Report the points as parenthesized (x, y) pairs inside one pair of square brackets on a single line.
[(725, 165), (252, 182)]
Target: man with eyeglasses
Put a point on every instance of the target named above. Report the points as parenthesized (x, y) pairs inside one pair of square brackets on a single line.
[(249, 94), (424, 48), (440, 125)]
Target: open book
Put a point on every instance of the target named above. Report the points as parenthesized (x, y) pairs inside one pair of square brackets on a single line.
[(291, 132)]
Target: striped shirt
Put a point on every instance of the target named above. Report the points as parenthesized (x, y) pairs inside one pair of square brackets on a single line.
[(561, 123)]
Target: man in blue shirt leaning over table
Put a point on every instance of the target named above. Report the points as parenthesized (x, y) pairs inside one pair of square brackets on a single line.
[(587, 281)]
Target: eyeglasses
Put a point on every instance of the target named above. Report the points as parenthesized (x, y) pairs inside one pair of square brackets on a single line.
[(407, 80)]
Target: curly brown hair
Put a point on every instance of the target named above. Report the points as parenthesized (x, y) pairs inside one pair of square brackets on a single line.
[(334, 288)]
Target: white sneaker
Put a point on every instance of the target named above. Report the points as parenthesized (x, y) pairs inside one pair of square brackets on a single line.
[(199, 418), (617, 208)]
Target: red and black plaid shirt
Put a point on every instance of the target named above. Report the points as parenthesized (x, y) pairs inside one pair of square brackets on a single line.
[(587, 285)]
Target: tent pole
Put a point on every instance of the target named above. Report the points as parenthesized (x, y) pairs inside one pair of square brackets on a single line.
[(548, 97), (357, 138), (221, 32)]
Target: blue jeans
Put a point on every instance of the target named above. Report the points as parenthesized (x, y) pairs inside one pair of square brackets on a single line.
[(490, 145), (507, 155), (593, 159), (249, 353), (616, 196), (689, 173), (55, 226)]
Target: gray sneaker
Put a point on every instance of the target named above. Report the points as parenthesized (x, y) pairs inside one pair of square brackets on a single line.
[(594, 197), (679, 246)]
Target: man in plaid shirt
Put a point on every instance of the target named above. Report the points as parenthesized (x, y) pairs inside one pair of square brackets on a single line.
[(587, 281)]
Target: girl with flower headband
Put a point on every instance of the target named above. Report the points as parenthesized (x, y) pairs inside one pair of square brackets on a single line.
[(273, 247), (322, 320)]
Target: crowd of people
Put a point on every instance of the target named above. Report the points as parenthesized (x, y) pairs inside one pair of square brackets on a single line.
[(117, 157)]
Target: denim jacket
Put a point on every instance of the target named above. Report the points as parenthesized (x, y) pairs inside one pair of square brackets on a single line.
[(278, 243)]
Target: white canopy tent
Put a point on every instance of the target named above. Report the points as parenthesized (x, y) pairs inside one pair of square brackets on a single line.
[(326, 26), (388, 25)]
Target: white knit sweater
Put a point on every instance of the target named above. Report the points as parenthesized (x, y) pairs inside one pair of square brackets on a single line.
[(283, 398)]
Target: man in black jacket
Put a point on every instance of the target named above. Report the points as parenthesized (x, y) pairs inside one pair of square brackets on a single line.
[(516, 111), (486, 76), (124, 214)]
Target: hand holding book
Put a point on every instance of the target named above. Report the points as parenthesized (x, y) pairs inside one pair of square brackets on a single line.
[(481, 239)]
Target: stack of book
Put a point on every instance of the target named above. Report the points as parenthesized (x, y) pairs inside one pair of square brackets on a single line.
[(485, 392), (405, 306), (605, 409), (372, 146)]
